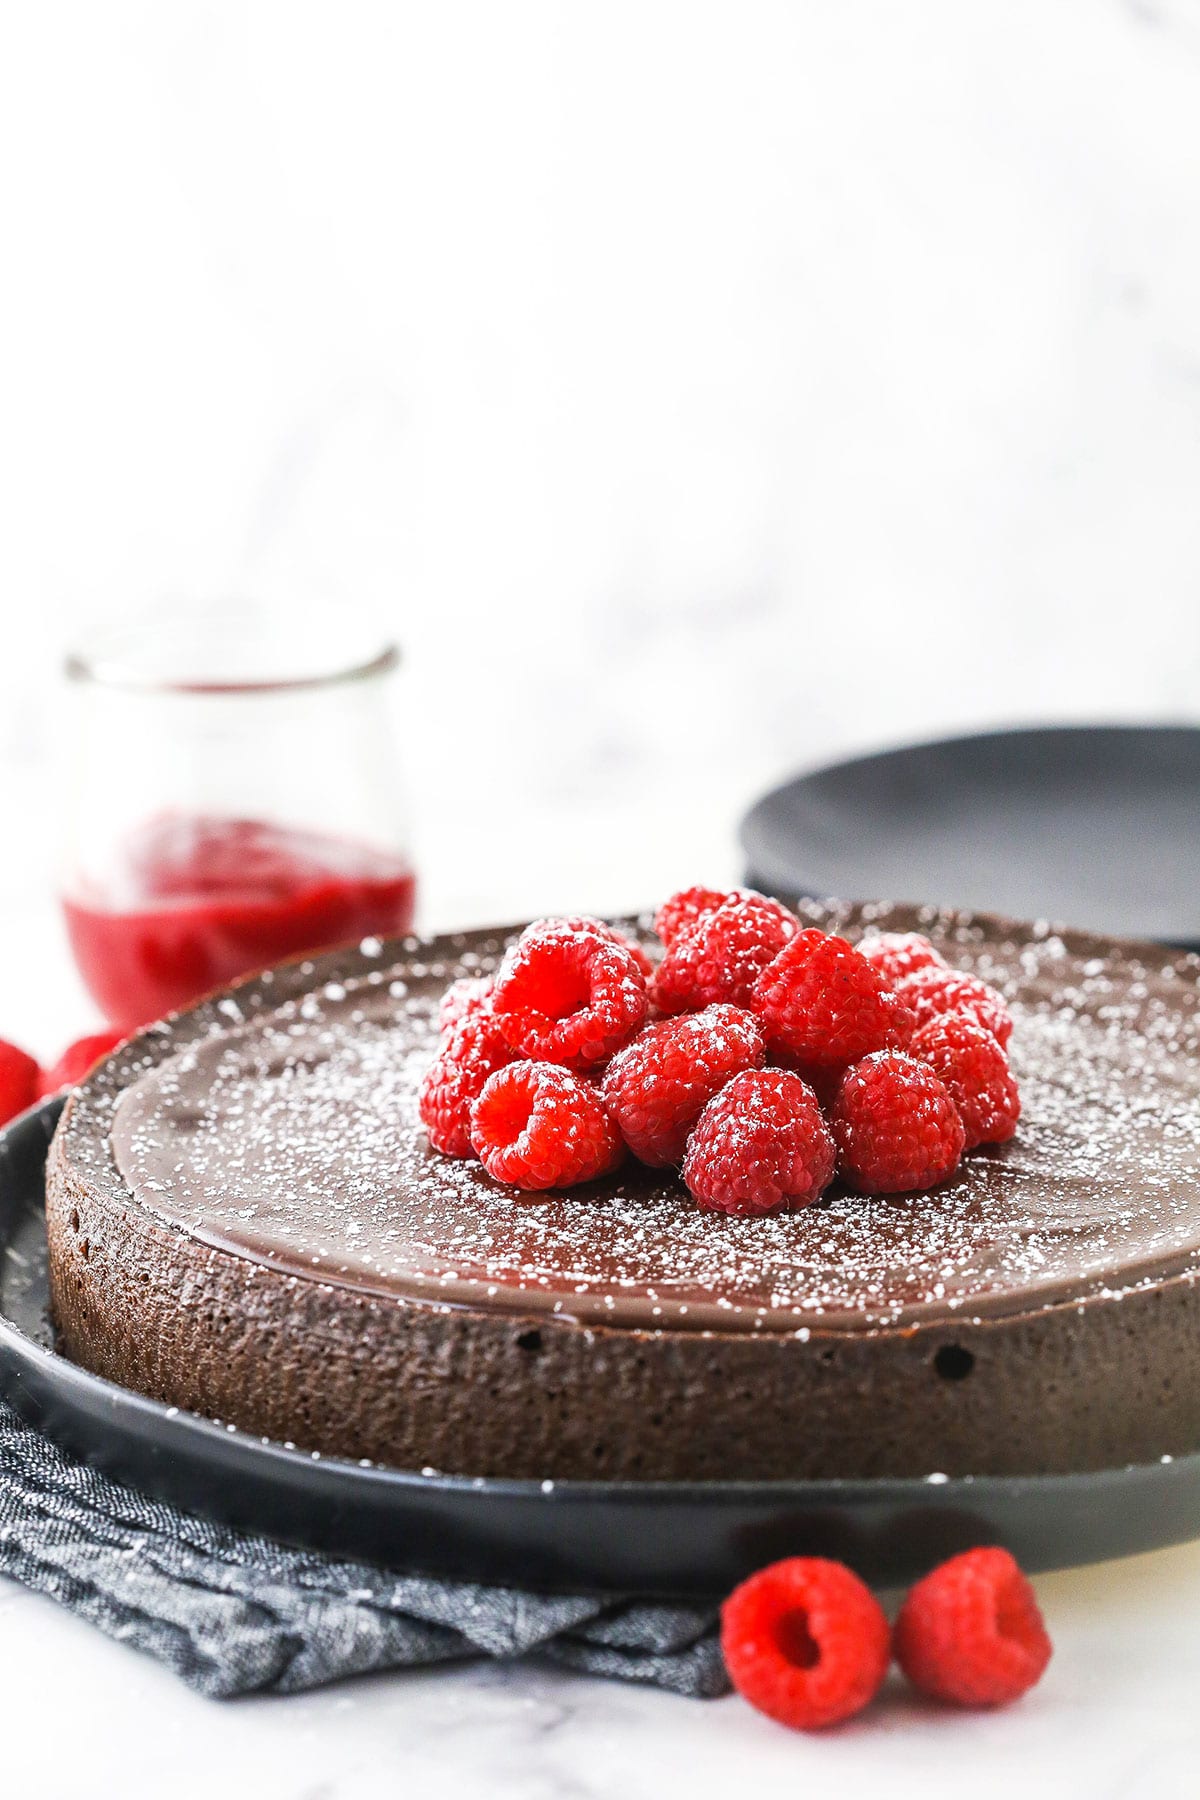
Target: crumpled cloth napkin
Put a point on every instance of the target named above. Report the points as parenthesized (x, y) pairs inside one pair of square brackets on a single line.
[(235, 1614)]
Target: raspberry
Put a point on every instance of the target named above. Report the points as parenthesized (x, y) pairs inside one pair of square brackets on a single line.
[(720, 956), (805, 1642), (683, 910), (455, 1079), (583, 923), (976, 1075), (825, 1005), (657, 1087), (897, 1128), (761, 1145), (823, 1082), (78, 1059), (20, 1081), (472, 994), (536, 1125), (570, 996), (971, 1632), (898, 954), (932, 992)]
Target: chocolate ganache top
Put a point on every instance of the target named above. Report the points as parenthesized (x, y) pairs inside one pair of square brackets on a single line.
[(279, 1123)]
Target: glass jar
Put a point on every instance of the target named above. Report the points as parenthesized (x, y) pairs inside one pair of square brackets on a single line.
[(234, 798)]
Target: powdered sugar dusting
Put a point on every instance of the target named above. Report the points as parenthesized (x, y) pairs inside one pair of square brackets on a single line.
[(290, 1135)]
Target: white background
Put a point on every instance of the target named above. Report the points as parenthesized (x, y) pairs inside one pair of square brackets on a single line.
[(698, 391)]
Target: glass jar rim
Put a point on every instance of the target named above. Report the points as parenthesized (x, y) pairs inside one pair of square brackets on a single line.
[(119, 661)]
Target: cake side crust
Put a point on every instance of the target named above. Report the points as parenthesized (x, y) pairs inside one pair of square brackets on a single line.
[(1086, 1385)]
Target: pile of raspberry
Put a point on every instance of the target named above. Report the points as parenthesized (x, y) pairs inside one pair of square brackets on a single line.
[(759, 1058)]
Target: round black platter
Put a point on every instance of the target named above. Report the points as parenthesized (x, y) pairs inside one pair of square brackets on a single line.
[(1094, 824), (656, 1537)]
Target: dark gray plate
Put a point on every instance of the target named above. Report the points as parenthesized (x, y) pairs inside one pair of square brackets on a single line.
[(653, 1537), (1095, 826)]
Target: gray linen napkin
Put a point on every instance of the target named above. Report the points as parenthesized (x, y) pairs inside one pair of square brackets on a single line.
[(237, 1615)]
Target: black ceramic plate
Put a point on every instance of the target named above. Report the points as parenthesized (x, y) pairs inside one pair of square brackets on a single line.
[(654, 1537), (1095, 826)]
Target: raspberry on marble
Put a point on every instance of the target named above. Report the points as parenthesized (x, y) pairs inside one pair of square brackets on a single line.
[(806, 1642), (971, 1632), (20, 1081)]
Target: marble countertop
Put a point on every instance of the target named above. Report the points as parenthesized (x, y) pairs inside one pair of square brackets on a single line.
[(1115, 1717)]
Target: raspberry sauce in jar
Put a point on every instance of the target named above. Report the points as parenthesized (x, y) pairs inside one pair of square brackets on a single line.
[(197, 902), (234, 799)]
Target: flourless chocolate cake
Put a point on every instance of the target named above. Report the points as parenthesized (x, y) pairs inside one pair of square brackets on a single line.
[(245, 1219)]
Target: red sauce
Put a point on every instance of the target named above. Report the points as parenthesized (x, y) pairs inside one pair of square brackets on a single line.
[(197, 901)]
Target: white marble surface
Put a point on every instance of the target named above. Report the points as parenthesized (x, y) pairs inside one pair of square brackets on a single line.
[(1115, 1719), (641, 363), (698, 390)]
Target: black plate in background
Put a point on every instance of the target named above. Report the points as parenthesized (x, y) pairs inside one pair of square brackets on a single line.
[(1095, 826), (649, 1537)]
